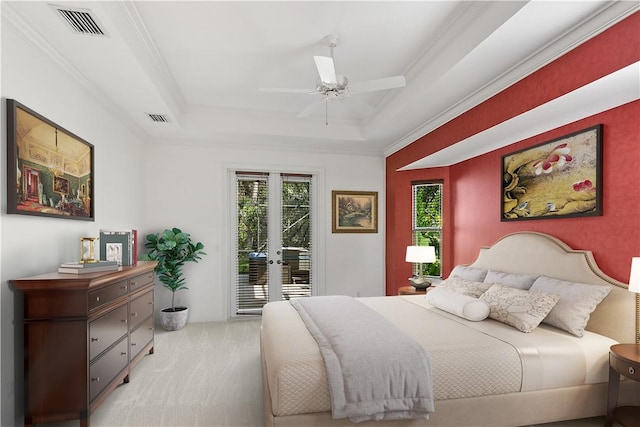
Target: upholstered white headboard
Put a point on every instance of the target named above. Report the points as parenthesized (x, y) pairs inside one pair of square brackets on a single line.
[(541, 254)]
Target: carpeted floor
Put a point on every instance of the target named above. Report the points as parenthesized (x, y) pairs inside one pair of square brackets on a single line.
[(207, 374)]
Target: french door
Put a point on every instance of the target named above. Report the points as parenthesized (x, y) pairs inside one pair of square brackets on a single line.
[(273, 251)]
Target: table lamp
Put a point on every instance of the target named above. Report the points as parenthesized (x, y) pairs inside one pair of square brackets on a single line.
[(634, 286), (421, 255)]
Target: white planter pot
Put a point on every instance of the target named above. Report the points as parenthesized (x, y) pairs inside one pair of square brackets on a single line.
[(174, 320)]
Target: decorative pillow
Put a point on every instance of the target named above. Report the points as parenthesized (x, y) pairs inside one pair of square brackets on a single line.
[(464, 306), (468, 273), (513, 280), (465, 287), (577, 302), (524, 310)]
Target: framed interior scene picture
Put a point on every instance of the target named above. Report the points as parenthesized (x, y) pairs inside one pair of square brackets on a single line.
[(354, 211), (555, 179), (49, 169)]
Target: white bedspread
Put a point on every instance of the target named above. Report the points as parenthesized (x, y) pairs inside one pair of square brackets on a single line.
[(550, 358), (375, 371), (468, 358)]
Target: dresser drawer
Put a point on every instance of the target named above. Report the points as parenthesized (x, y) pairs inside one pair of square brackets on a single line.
[(141, 308), (107, 294), (139, 281), (629, 370), (142, 336), (105, 369), (106, 330)]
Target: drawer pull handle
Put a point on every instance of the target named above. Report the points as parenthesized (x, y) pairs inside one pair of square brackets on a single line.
[(95, 380), (123, 353), (134, 283), (133, 344), (95, 339), (632, 371), (150, 303), (97, 299), (123, 287), (124, 320), (134, 314)]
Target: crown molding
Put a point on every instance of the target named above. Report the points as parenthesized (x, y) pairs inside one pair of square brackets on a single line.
[(24, 30), (606, 17)]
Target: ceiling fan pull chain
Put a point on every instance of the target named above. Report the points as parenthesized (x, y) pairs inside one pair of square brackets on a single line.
[(326, 111)]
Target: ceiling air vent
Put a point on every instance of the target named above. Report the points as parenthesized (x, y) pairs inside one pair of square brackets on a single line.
[(158, 118), (80, 21)]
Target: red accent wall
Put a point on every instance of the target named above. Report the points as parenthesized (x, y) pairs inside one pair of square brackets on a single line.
[(472, 188)]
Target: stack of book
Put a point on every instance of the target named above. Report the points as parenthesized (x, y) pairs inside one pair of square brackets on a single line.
[(88, 267), (120, 246)]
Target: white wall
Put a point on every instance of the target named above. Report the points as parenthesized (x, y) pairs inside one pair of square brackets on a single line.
[(151, 187), (33, 245), (187, 187)]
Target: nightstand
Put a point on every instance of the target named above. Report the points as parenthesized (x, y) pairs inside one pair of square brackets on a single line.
[(624, 359), (410, 290)]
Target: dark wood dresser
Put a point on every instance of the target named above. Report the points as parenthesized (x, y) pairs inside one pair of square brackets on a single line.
[(82, 336)]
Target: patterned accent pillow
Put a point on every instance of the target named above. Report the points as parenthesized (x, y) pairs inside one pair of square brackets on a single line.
[(468, 273), (463, 286), (577, 302), (513, 280), (524, 310)]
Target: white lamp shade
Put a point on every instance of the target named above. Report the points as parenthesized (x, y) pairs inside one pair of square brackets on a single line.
[(421, 254), (634, 277)]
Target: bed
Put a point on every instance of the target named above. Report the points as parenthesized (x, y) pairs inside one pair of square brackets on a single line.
[(476, 383)]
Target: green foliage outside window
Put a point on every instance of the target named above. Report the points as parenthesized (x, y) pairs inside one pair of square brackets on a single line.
[(253, 213), (427, 221)]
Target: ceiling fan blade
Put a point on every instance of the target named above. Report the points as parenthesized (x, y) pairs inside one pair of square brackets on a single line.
[(286, 90), (326, 70), (378, 84)]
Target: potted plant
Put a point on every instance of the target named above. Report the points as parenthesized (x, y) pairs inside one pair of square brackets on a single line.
[(172, 249)]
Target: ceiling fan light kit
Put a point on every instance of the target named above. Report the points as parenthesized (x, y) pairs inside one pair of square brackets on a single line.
[(335, 87)]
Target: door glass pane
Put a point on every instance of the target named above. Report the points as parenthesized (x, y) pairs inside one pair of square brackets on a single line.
[(296, 236), (252, 283), (277, 205)]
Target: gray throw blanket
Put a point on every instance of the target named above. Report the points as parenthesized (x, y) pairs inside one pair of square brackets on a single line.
[(375, 371)]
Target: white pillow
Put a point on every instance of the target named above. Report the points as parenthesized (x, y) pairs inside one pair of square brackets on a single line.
[(468, 273), (461, 305), (524, 310), (463, 286), (513, 280), (577, 302)]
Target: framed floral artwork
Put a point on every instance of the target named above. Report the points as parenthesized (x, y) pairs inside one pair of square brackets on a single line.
[(556, 179)]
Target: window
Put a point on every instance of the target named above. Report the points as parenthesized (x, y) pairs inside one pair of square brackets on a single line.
[(427, 221)]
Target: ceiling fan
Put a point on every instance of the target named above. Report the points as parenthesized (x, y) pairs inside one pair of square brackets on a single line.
[(336, 87)]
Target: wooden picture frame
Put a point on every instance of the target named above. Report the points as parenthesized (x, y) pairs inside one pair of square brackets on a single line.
[(561, 178), (50, 170), (354, 211)]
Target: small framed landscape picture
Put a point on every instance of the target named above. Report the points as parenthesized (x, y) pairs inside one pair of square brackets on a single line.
[(354, 211)]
